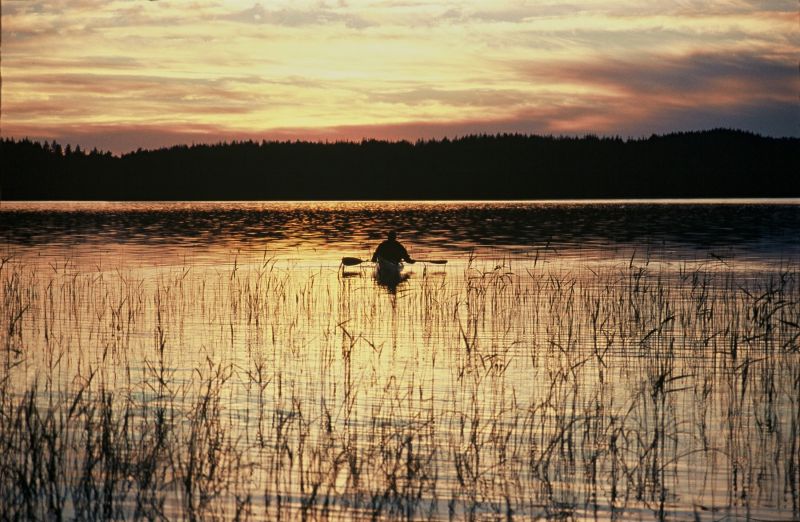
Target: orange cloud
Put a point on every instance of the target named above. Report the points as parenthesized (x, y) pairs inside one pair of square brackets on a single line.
[(123, 74)]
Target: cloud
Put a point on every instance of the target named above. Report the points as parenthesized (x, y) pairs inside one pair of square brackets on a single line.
[(725, 78), (512, 14), (292, 17), (767, 117), (664, 93), (451, 97), (103, 69), (594, 115), (67, 98), (107, 63)]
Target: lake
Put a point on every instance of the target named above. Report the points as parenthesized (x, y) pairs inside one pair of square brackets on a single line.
[(580, 360)]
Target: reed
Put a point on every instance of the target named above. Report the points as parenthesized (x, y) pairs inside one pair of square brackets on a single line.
[(502, 390)]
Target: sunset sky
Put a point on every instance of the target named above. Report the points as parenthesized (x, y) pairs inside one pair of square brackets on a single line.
[(123, 74)]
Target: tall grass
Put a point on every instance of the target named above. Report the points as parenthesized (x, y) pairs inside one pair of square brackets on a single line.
[(495, 390)]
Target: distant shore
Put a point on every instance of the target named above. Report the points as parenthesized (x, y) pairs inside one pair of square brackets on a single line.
[(707, 164)]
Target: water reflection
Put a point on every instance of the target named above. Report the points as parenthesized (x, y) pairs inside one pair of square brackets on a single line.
[(391, 281), (553, 389), (316, 229)]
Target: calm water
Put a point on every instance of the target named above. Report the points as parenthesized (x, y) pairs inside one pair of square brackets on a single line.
[(324, 232), (626, 360)]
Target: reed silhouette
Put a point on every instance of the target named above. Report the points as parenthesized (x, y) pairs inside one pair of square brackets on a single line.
[(245, 390)]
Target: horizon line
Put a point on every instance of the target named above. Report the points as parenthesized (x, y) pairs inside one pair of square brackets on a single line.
[(412, 142)]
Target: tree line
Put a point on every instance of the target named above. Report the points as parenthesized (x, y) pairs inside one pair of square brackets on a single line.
[(714, 163)]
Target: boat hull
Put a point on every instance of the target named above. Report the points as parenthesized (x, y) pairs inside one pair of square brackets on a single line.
[(388, 270)]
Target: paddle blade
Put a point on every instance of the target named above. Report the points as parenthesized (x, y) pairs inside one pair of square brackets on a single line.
[(351, 261), (433, 261)]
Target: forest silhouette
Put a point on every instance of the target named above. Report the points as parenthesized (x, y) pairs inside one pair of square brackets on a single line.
[(714, 163)]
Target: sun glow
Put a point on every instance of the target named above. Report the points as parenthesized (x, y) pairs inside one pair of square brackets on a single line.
[(123, 74)]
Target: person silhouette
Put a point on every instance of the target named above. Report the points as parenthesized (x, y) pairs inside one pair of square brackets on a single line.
[(392, 251)]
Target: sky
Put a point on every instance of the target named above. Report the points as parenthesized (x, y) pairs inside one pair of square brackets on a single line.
[(124, 74)]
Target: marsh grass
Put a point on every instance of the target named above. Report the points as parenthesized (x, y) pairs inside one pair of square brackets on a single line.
[(495, 390)]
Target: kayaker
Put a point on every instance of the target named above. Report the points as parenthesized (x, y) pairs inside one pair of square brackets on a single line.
[(391, 250)]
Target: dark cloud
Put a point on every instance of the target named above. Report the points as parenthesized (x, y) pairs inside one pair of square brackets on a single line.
[(768, 118), (707, 74)]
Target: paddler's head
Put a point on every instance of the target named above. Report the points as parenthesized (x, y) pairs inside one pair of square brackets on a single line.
[(392, 235)]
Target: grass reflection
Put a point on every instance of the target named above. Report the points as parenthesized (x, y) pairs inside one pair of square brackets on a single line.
[(486, 390)]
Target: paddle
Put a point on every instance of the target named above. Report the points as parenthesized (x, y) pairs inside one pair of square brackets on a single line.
[(353, 261)]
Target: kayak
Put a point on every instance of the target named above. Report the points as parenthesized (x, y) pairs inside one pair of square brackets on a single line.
[(388, 270)]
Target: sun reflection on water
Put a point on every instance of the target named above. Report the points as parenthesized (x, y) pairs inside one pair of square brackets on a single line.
[(632, 384)]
